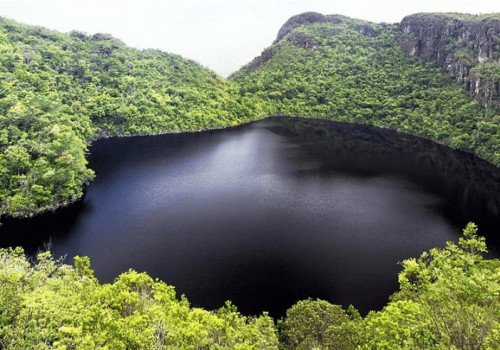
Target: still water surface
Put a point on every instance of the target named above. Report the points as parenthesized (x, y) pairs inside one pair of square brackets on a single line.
[(270, 213)]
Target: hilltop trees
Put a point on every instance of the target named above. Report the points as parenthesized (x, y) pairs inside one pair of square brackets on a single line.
[(59, 91), (312, 324), (448, 300), (363, 76)]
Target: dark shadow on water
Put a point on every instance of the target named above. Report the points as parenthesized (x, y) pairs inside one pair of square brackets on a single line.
[(34, 233)]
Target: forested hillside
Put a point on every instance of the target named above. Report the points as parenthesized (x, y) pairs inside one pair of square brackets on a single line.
[(350, 70), (58, 91)]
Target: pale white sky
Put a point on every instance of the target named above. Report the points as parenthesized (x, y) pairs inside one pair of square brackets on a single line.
[(220, 35)]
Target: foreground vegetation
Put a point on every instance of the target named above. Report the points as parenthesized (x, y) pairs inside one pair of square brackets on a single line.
[(448, 299), (45, 304)]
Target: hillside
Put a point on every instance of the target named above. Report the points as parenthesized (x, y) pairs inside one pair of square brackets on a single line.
[(467, 46), (351, 70), (60, 91)]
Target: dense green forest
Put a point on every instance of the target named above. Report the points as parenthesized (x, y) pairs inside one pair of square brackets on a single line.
[(448, 299), (354, 71), (58, 92)]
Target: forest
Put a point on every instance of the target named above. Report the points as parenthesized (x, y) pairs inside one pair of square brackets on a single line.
[(59, 92), (367, 78)]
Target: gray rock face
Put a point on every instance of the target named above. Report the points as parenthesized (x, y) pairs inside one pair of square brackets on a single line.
[(298, 20), (457, 46), (78, 35), (265, 56), (304, 41), (367, 31), (334, 19)]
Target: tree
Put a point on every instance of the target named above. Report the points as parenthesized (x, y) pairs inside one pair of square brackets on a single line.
[(451, 295), (312, 324)]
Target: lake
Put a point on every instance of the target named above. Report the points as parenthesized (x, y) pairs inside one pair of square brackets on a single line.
[(271, 212)]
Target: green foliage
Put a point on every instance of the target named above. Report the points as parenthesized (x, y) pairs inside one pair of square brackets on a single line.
[(50, 305), (60, 91), (466, 55), (448, 300), (488, 70), (369, 79), (317, 324), (451, 42), (464, 17)]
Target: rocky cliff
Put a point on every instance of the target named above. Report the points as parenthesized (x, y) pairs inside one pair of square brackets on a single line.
[(307, 42), (294, 22), (297, 21), (466, 46)]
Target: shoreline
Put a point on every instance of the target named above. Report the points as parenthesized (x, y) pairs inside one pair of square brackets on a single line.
[(103, 134)]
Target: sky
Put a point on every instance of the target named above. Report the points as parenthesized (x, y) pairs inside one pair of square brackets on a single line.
[(220, 35)]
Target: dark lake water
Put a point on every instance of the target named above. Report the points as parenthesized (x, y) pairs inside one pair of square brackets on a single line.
[(270, 213)]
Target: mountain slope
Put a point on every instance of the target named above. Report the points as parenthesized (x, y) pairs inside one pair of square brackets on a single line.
[(350, 70), (467, 46), (58, 91)]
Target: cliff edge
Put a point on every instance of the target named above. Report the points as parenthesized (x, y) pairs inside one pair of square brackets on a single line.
[(467, 46)]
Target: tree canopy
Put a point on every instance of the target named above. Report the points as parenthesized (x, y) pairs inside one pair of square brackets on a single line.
[(60, 91), (448, 299)]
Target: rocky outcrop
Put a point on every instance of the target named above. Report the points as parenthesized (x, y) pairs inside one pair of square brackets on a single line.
[(467, 49), (305, 41), (334, 19), (258, 61), (367, 31), (298, 20), (78, 35)]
